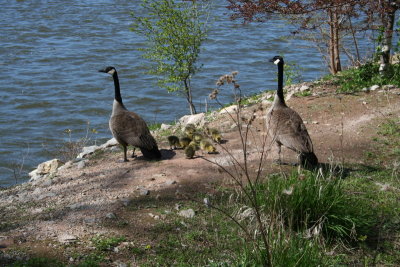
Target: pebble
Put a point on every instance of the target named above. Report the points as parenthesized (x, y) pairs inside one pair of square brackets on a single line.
[(144, 192)]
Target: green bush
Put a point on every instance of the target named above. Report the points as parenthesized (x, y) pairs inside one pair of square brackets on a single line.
[(355, 79)]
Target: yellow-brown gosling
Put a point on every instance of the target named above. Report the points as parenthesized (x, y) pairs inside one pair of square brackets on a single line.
[(173, 142), (184, 141), (127, 127), (205, 145), (190, 151), (286, 127), (189, 130), (197, 137)]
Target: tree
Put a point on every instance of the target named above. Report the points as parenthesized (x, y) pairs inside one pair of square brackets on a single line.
[(174, 31), (311, 16)]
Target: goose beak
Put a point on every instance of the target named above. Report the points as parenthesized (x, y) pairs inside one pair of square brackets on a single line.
[(102, 71), (271, 60)]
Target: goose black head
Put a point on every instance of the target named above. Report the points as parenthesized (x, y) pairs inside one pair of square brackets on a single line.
[(109, 70), (276, 60)]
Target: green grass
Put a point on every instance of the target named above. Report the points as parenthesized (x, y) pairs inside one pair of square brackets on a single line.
[(106, 243)]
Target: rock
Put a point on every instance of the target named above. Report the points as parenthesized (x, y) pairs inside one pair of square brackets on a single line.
[(230, 109), (196, 119), (110, 143), (67, 238), (111, 215), (206, 202), (87, 150), (44, 169), (365, 89), (50, 194), (304, 88), (165, 126), (170, 182), (388, 87), (374, 87), (81, 164), (144, 192), (189, 213)]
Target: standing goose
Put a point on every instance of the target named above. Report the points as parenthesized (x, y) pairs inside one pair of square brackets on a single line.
[(286, 127), (127, 127)]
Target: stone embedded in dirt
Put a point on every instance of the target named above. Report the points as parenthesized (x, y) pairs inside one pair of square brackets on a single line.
[(206, 202), (304, 88), (189, 213), (170, 182), (110, 143), (158, 175), (67, 238), (75, 206), (44, 169), (87, 150), (155, 217), (230, 109), (178, 206), (196, 119), (165, 126), (144, 192), (374, 87), (81, 164), (125, 202), (111, 215)]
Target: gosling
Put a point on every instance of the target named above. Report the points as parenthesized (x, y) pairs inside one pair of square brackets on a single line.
[(173, 142)]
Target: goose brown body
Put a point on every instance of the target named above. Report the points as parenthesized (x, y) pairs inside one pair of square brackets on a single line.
[(286, 127), (128, 128)]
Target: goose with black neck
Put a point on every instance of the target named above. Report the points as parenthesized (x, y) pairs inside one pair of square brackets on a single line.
[(127, 127)]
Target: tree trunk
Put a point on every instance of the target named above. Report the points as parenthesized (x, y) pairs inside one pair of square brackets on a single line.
[(189, 98), (388, 24), (334, 42)]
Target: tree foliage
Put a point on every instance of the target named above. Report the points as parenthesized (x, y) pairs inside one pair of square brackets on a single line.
[(174, 31), (330, 20)]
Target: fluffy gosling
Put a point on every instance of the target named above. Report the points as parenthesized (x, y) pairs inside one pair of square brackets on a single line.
[(173, 142), (215, 135), (207, 146), (184, 141)]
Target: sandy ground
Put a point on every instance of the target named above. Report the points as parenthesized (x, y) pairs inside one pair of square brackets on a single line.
[(76, 202)]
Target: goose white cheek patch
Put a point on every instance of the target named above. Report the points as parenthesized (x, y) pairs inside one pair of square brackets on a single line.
[(277, 61), (111, 71)]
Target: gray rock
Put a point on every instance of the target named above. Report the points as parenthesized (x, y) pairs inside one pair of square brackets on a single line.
[(67, 238), (170, 182), (304, 88), (165, 126), (44, 169), (230, 109), (81, 164), (196, 119), (189, 213), (111, 215), (50, 194), (144, 192), (110, 143), (374, 87), (87, 150)]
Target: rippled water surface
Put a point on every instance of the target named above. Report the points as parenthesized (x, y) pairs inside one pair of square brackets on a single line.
[(51, 50)]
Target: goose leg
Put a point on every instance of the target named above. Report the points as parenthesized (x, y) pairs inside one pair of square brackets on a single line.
[(125, 158), (133, 152), (278, 146)]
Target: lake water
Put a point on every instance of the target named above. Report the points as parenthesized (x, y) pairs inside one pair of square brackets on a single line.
[(51, 52)]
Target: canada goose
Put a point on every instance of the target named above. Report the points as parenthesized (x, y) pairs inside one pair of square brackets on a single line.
[(184, 141), (215, 135), (127, 127), (286, 127), (205, 145), (173, 141)]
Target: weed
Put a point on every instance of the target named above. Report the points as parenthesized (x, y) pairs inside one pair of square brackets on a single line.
[(354, 79), (38, 262), (106, 243)]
